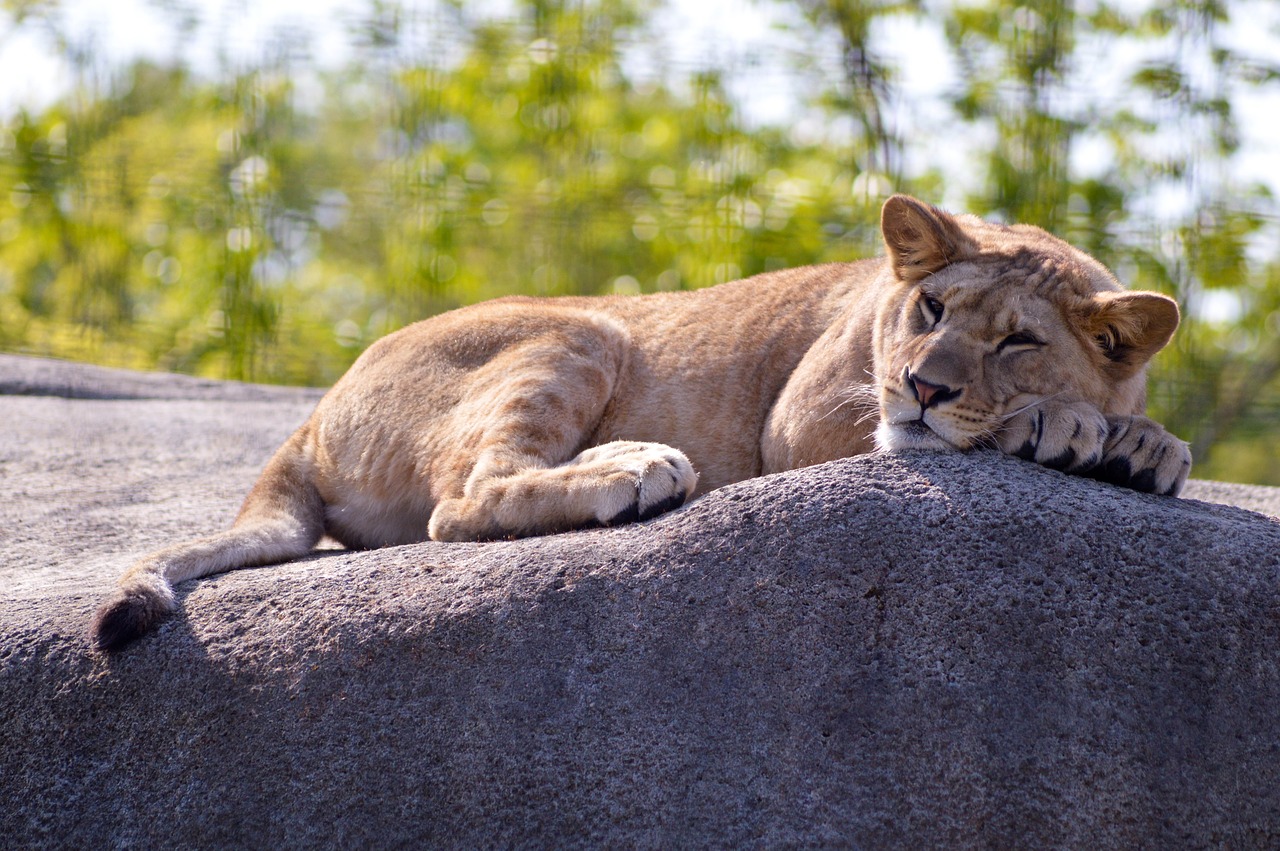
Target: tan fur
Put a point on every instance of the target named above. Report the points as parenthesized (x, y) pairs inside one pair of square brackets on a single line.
[(525, 416)]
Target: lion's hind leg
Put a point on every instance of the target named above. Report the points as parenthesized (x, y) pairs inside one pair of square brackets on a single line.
[(528, 413), (619, 482)]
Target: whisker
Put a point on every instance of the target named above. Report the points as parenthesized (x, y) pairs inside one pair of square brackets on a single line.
[(871, 414), (1013, 414), (986, 441), (833, 410), (864, 393)]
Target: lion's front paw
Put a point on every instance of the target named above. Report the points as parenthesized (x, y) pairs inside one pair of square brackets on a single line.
[(1065, 436), (642, 480), (619, 482), (1140, 454)]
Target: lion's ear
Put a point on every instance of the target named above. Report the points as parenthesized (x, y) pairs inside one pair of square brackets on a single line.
[(921, 239), (1130, 327)]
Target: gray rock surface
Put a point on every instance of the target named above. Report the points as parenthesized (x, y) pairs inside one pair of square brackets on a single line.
[(894, 651)]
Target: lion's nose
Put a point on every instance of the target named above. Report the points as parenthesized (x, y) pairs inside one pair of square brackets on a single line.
[(930, 394)]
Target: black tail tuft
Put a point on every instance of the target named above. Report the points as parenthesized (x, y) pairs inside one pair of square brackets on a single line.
[(126, 618)]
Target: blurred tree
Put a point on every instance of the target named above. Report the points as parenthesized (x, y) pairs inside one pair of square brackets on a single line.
[(865, 91), (1015, 60)]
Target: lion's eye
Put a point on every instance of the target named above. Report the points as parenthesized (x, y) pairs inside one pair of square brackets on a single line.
[(1022, 338), (933, 308)]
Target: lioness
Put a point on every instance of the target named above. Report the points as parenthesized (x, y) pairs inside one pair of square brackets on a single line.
[(527, 416)]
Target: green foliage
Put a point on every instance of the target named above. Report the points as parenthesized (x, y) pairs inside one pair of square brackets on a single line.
[(270, 222), (225, 228)]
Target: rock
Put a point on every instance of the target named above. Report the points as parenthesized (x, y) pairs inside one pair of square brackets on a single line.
[(916, 650), (28, 376)]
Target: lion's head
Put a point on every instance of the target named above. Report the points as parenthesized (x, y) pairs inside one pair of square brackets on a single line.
[(984, 321)]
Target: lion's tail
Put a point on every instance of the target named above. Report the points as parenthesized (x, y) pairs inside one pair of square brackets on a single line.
[(282, 518)]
